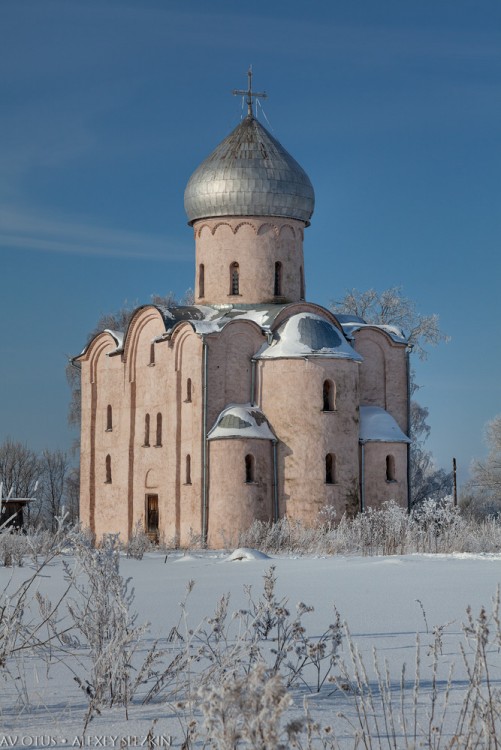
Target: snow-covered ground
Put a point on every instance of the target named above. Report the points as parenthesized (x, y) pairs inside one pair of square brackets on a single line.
[(385, 601)]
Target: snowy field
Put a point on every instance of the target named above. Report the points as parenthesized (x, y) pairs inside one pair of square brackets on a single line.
[(385, 601)]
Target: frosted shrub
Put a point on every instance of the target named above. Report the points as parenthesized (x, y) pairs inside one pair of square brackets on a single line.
[(102, 616), (380, 531), (327, 517), (139, 542), (245, 711), (440, 525), (23, 631), (13, 546), (284, 536), (268, 632), (434, 526)]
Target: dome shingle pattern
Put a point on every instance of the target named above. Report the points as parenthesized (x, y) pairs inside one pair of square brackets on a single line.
[(249, 174)]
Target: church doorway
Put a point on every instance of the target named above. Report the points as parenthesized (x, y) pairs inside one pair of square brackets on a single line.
[(152, 517)]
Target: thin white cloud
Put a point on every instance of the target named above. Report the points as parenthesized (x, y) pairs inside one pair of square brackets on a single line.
[(26, 230)]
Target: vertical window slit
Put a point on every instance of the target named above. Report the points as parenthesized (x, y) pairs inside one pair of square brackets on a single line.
[(278, 280), (108, 469), (390, 468), (329, 396), (201, 280), (234, 279), (249, 468), (330, 469)]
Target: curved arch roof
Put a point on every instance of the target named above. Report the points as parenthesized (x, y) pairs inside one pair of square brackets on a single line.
[(241, 421), (249, 174), (305, 335), (376, 425)]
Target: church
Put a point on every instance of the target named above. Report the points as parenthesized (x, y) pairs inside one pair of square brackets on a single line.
[(252, 403)]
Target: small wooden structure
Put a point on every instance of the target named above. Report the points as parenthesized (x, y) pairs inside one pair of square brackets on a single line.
[(12, 509)]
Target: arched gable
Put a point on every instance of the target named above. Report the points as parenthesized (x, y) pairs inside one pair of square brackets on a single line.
[(103, 343), (384, 337), (230, 363), (373, 371), (184, 339), (298, 307), (141, 319)]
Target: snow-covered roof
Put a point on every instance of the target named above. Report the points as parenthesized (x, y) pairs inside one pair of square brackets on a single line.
[(376, 425), (119, 338), (307, 334), (241, 421), (352, 323), (212, 319), (345, 318), (209, 319)]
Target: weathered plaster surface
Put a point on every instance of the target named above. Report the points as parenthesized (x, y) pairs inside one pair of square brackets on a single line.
[(256, 245)]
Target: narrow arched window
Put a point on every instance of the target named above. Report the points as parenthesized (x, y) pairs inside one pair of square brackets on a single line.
[(108, 469), (330, 468), (201, 280), (277, 291), (329, 396), (188, 390), (249, 468), (188, 469), (390, 469), (109, 418), (152, 354), (159, 430), (301, 282), (234, 279), (147, 430)]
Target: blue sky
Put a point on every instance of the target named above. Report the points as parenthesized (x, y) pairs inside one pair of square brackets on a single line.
[(107, 106)]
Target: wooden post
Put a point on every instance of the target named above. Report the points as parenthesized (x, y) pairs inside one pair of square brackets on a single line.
[(455, 482)]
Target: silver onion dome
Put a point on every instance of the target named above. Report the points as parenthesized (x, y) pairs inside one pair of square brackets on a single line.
[(249, 174)]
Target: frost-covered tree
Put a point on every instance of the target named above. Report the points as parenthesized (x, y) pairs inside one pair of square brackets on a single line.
[(54, 466), (482, 494), (42, 477), (390, 307), (19, 468)]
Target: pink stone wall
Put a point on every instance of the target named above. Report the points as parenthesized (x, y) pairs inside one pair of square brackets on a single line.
[(229, 366), (135, 386), (377, 488), (383, 374), (256, 245), (290, 393), (234, 503), (103, 505)]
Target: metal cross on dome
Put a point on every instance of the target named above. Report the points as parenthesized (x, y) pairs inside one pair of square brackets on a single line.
[(250, 93)]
